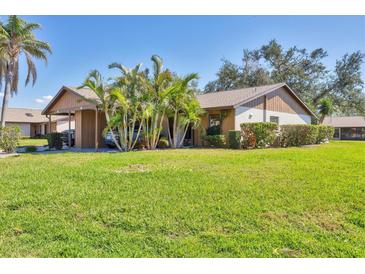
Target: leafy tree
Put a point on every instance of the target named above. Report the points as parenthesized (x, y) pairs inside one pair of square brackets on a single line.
[(16, 38), (325, 108), (302, 70)]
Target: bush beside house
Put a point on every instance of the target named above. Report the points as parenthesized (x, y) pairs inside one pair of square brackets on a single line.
[(9, 138), (55, 140), (258, 135)]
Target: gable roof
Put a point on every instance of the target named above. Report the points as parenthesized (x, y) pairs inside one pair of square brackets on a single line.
[(84, 93), (237, 97), (345, 121), (25, 115)]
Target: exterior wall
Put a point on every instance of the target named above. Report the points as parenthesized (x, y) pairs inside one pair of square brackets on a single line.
[(63, 125), (227, 123), (69, 101), (85, 128), (245, 115), (279, 103), (24, 127)]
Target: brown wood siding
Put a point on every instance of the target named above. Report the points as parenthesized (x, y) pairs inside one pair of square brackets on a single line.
[(227, 124), (78, 128), (255, 103), (69, 101), (88, 128), (282, 101)]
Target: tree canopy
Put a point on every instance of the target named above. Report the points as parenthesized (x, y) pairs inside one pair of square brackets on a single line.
[(303, 70)]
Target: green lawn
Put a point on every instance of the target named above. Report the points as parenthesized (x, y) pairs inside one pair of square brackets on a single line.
[(32, 142), (296, 202)]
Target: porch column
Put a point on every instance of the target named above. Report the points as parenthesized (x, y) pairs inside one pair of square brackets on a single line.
[(96, 130), (49, 124), (69, 130), (265, 102)]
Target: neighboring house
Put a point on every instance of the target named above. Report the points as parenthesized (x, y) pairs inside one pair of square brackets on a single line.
[(32, 122), (347, 128), (276, 103)]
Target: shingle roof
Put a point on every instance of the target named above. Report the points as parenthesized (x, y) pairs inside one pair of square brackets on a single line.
[(84, 92), (26, 115), (232, 98), (345, 121)]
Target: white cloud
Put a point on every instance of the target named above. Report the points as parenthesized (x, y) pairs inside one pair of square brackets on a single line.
[(44, 99), (1, 94)]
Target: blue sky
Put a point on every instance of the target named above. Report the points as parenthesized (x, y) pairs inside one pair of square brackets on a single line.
[(186, 43)]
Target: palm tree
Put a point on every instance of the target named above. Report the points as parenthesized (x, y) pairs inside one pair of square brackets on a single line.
[(156, 101), (94, 81), (184, 109), (128, 91), (16, 38), (325, 108)]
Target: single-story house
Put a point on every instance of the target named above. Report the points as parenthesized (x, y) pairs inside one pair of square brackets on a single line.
[(348, 127), (33, 123), (276, 103)]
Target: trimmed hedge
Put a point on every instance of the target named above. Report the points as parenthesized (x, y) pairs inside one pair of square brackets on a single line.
[(258, 135), (218, 141), (55, 140), (214, 130), (234, 139), (298, 135), (325, 133)]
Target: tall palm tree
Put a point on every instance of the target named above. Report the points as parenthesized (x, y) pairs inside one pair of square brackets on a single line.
[(325, 108), (17, 38)]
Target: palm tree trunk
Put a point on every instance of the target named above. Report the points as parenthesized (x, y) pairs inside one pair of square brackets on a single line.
[(111, 131), (7, 91), (174, 130), (183, 137)]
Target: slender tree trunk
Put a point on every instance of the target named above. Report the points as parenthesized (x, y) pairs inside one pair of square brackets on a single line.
[(174, 130), (183, 137), (7, 91), (111, 131)]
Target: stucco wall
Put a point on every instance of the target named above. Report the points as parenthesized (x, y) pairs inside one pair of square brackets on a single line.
[(63, 125), (24, 127), (245, 114)]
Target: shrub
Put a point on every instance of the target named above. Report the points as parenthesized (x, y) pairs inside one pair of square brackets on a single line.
[(214, 130), (258, 135), (325, 133), (31, 149), (55, 140), (9, 138), (234, 139), (163, 142), (298, 135), (215, 140)]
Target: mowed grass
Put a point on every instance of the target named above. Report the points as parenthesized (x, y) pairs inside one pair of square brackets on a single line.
[(295, 202), (32, 142)]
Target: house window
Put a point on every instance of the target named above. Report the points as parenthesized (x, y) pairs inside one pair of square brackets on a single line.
[(214, 120), (274, 119)]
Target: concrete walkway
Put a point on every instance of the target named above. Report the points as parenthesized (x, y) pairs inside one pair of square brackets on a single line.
[(5, 155)]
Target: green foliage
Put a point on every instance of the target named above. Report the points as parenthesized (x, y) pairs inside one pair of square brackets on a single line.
[(325, 108), (298, 135), (325, 133), (293, 202), (163, 142), (218, 141), (31, 149), (234, 139), (214, 130), (55, 140), (9, 138), (258, 135), (303, 70)]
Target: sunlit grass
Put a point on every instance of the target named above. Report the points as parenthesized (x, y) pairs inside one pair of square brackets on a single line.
[(295, 202)]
